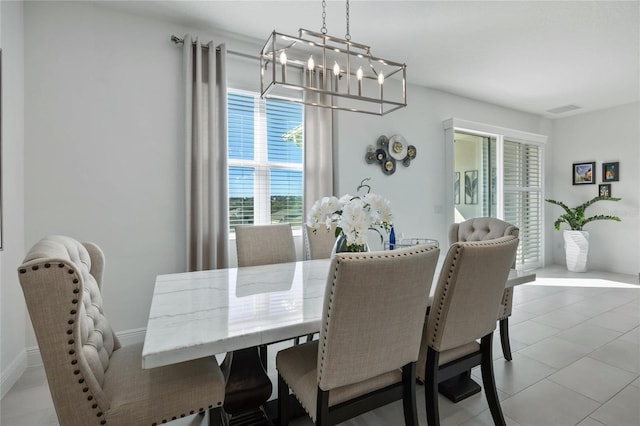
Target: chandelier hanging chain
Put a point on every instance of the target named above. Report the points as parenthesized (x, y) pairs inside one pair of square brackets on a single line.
[(347, 36), (324, 17)]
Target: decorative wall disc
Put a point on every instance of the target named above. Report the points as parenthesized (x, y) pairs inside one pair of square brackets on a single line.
[(397, 147), (389, 151)]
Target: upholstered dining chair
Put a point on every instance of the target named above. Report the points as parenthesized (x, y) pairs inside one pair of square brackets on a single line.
[(373, 313), (264, 244), (92, 378), (320, 243), (482, 229), (467, 296)]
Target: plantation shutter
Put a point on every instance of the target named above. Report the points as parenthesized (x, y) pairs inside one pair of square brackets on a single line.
[(522, 166)]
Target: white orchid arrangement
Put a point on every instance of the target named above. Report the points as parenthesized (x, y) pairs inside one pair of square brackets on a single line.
[(353, 215)]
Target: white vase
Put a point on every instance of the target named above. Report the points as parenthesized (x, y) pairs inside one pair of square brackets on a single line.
[(576, 247)]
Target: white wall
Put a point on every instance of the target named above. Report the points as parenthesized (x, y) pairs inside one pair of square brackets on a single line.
[(12, 313), (601, 136), (103, 143)]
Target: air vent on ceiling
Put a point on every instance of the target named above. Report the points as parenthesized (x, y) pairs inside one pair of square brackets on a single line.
[(566, 108)]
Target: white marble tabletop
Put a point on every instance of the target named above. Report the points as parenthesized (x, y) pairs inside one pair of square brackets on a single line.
[(199, 314)]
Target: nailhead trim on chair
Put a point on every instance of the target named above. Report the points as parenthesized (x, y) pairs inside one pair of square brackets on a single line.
[(72, 342), (376, 254), (200, 410), (444, 294)]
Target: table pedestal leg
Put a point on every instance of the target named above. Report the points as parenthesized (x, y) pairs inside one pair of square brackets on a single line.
[(459, 387), (248, 387)]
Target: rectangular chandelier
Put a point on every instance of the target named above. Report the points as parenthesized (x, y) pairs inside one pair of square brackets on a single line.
[(324, 71)]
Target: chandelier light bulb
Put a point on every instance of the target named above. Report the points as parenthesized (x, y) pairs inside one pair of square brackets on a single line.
[(283, 58), (359, 74), (336, 69), (311, 63), (380, 78)]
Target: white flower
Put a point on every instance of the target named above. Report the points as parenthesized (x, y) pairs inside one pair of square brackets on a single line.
[(354, 215)]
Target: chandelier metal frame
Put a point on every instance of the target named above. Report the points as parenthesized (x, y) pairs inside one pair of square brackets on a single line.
[(345, 77)]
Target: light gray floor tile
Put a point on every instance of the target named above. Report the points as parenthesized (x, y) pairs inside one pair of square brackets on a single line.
[(621, 354), (485, 419), (622, 409), (616, 321), (519, 316), (547, 403), (530, 332), (590, 422), (561, 319), (512, 377), (632, 336), (555, 352), (631, 308), (595, 306), (542, 305), (588, 335), (593, 378)]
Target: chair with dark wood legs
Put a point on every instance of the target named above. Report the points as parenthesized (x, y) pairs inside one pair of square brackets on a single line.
[(467, 296), (373, 314)]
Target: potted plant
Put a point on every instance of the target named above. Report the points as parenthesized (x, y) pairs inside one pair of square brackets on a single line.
[(576, 241)]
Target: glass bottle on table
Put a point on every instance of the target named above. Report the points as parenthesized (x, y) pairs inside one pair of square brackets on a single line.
[(392, 239)]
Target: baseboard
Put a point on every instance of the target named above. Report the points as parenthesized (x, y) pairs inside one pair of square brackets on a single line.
[(128, 337), (10, 376)]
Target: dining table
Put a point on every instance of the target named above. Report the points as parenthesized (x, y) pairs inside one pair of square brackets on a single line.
[(238, 311)]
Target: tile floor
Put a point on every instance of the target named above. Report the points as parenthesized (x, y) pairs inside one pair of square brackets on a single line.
[(576, 361)]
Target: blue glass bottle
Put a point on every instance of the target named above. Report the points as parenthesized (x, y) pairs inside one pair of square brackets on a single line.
[(392, 239)]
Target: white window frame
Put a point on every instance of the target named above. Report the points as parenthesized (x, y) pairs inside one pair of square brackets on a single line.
[(261, 165)]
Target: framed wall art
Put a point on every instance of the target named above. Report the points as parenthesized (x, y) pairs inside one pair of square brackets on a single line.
[(611, 172), (604, 190), (471, 187), (456, 188), (584, 173)]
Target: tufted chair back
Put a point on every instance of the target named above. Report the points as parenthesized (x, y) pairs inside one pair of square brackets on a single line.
[(481, 229), (61, 272)]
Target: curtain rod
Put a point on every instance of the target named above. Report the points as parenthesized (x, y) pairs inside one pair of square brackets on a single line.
[(178, 40)]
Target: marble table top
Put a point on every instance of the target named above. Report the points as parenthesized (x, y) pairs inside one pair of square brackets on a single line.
[(199, 314)]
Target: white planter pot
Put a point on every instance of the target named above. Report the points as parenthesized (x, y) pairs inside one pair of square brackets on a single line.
[(576, 247)]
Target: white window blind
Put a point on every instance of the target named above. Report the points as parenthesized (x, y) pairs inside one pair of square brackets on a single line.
[(522, 177), (265, 160)]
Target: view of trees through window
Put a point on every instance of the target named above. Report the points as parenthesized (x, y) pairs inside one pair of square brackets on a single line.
[(265, 160)]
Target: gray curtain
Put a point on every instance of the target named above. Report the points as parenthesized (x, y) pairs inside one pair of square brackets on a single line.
[(206, 155), (318, 157)]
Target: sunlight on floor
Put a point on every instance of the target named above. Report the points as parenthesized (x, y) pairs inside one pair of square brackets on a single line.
[(581, 282)]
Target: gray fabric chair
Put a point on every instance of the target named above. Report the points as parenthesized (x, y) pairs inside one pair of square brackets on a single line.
[(467, 296), (93, 379), (374, 309), (320, 243), (482, 229), (264, 244)]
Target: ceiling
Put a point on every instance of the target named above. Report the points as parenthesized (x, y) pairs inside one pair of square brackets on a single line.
[(531, 56)]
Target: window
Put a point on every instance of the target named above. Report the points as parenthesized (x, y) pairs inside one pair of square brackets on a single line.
[(265, 160), (509, 166)]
